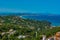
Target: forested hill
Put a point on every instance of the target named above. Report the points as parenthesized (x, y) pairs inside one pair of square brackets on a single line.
[(12, 21)]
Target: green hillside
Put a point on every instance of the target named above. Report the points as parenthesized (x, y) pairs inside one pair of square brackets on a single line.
[(13, 26)]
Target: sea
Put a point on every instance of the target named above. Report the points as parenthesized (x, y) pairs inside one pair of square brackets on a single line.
[(54, 19)]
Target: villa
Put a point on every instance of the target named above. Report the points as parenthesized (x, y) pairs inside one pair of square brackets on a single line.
[(55, 37)]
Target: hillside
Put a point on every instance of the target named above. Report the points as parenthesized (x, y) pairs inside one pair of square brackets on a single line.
[(13, 26), (16, 20)]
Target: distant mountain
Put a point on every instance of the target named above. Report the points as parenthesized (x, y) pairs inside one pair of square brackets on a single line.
[(28, 14)]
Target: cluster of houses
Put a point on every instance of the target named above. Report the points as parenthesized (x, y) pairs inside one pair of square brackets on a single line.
[(11, 31)]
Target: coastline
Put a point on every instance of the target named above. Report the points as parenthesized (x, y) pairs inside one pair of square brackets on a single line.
[(54, 24)]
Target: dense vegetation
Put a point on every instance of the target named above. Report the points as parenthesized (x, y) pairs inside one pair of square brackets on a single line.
[(11, 27)]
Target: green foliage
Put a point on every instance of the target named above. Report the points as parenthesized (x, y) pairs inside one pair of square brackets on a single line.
[(24, 27)]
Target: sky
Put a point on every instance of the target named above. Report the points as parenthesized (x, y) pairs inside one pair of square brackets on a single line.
[(33, 6)]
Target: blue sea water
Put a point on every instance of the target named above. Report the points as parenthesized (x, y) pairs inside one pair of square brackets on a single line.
[(54, 19)]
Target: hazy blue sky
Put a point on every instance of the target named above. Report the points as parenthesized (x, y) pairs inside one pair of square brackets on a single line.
[(42, 6)]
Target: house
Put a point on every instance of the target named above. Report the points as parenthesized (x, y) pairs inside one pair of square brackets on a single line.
[(56, 37), (21, 36), (3, 33)]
